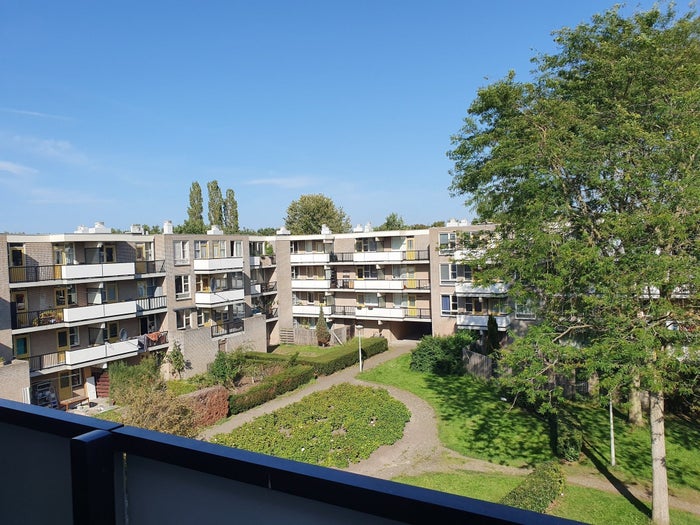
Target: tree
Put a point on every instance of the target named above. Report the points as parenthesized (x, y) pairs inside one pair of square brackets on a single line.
[(194, 222), (591, 172), (323, 335), (230, 212), (310, 212), (392, 222), (176, 359), (216, 204)]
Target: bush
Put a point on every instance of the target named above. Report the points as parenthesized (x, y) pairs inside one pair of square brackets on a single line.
[(538, 490), (569, 436), (271, 387), (441, 355), (125, 379), (323, 335), (227, 368), (161, 411)]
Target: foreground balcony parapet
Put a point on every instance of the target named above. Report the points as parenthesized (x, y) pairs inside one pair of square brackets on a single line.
[(102, 472)]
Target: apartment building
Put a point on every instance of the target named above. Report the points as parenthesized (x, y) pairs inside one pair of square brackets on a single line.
[(73, 303)]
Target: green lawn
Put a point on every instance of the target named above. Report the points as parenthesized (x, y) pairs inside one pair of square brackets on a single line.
[(478, 485), (472, 418), (304, 351)]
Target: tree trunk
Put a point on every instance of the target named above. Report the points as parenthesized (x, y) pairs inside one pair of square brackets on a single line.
[(634, 416), (659, 478)]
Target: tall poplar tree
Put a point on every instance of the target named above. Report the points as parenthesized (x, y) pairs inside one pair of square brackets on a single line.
[(231, 212), (216, 204), (592, 173), (194, 222)]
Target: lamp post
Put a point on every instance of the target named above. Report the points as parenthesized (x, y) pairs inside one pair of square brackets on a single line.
[(359, 346)]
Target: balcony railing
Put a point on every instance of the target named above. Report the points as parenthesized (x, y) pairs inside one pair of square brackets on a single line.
[(384, 284), (87, 312), (229, 327), (261, 288), (480, 321), (99, 353), (93, 471), (397, 313), (218, 264), (54, 272)]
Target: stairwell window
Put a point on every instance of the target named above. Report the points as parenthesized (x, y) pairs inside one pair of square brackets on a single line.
[(183, 319), (201, 250), (182, 287), (449, 305), (181, 251)]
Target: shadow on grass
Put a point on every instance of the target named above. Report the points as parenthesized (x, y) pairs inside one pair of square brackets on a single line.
[(483, 425), (596, 459)]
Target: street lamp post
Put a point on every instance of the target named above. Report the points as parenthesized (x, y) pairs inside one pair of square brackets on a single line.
[(359, 346)]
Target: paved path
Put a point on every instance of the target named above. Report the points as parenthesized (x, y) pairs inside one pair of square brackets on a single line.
[(419, 450)]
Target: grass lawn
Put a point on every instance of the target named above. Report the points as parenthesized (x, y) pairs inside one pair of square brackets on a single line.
[(472, 418), (304, 351), (598, 507), (478, 485)]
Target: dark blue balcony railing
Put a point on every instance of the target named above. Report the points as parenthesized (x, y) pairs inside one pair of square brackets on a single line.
[(86, 471)]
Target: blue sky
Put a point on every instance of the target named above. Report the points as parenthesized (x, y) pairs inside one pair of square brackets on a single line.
[(110, 110)]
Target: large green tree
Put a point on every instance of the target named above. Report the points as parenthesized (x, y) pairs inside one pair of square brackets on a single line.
[(194, 222), (591, 171), (307, 214), (393, 221)]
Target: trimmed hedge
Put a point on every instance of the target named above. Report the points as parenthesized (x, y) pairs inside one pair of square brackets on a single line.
[(538, 490), (270, 388), (441, 355), (337, 358)]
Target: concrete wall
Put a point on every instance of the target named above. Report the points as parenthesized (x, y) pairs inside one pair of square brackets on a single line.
[(14, 378)]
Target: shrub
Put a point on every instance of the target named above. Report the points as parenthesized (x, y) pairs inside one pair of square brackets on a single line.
[(323, 336), (227, 368), (176, 359), (159, 410), (569, 436), (125, 379), (538, 490), (271, 387), (441, 355)]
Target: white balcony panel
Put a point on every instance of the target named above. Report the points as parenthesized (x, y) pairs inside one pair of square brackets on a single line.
[(469, 289), (310, 310), (218, 265), (94, 271), (480, 322), (255, 289), (375, 257), (255, 260), (375, 312), (309, 258), (98, 311), (311, 284), (226, 296), (105, 352), (378, 284)]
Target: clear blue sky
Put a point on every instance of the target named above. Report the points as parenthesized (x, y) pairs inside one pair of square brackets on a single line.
[(110, 110)]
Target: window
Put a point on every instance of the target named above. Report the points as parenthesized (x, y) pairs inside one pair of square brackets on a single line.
[(473, 305), (448, 242), (370, 300), (113, 331), (368, 245), (141, 289), (367, 272), (218, 249), (74, 336), (201, 250), (454, 272), (21, 346), (62, 340), (66, 296), (202, 283), (181, 251), (237, 281), (203, 316), (111, 293), (238, 310), (182, 287), (109, 253), (448, 305), (70, 379), (63, 254), (183, 319), (525, 311), (221, 316), (17, 255)]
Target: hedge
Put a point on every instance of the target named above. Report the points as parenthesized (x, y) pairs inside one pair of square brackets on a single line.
[(337, 358), (270, 388), (538, 490)]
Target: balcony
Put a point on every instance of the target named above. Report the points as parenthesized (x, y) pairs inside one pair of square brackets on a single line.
[(92, 471), (310, 310), (30, 274), (76, 314), (309, 258), (397, 313), (262, 288), (233, 326), (221, 264), (480, 321), (392, 256), (262, 261), (469, 289), (98, 354), (207, 299), (311, 284), (385, 285)]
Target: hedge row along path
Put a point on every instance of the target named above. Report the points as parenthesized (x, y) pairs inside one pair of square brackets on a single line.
[(419, 450)]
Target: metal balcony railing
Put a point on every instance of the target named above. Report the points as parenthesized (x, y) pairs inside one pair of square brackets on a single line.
[(229, 327)]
